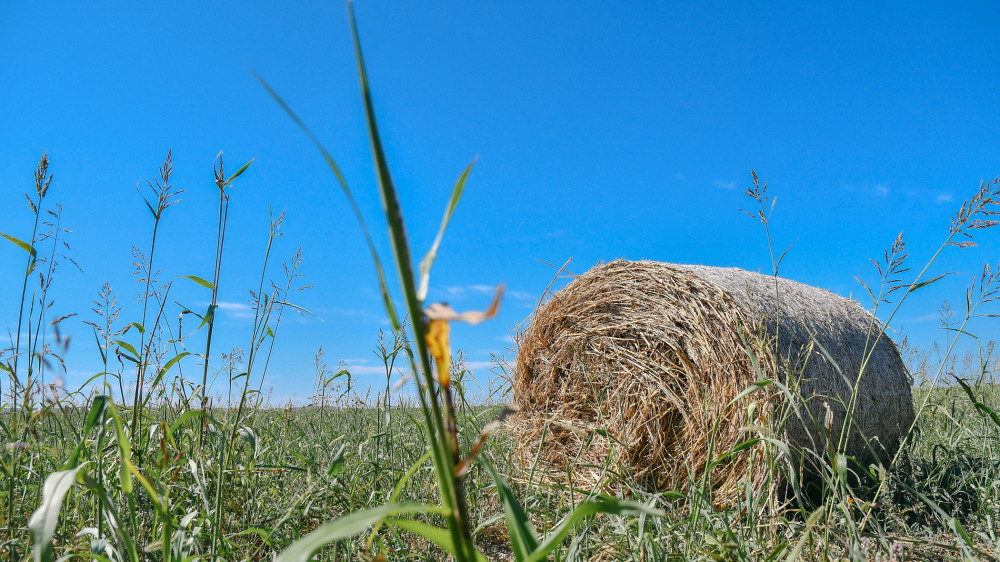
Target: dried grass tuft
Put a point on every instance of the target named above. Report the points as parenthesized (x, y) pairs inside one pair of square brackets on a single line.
[(638, 367)]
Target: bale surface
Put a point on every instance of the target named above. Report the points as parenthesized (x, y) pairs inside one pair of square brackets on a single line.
[(636, 366)]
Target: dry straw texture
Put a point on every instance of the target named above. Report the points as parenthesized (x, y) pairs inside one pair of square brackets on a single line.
[(637, 366)]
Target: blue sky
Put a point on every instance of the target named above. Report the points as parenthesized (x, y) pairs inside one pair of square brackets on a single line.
[(602, 130)]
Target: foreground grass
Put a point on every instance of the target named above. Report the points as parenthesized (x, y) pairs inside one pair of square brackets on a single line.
[(296, 468)]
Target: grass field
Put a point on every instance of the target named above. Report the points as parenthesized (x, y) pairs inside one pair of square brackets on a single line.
[(145, 464), (289, 470)]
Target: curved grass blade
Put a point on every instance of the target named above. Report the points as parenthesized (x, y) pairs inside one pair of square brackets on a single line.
[(95, 413), (42, 523), (399, 488), (806, 534), (239, 172), (436, 535), (186, 416), (610, 506), (428, 261), (383, 286), (983, 409), (125, 541), (303, 549), (523, 536), (161, 373), (450, 487), (21, 244), (200, 281)]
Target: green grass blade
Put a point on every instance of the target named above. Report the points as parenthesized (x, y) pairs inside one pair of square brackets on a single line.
[(161, 373), (806, 534), (239, 172), (42, 523), (436, 535), (439, 439), (199, 281), (428, 261), (610, 506), (387, 190), (923, 284), (380, 271), (399, 488), (186, 416), (209, 316), (982, 408), (21, 244), (523, 536), (100, 348), (95, 414), (125, 448), (127, 347), (303, 549), (125, 543)]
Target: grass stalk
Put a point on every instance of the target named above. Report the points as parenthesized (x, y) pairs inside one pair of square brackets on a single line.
[(450, 486)]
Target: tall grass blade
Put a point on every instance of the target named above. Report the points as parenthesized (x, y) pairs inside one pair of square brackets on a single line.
[(42, 523), (303, 549), (436, 535), (399, 488), (239, 172), (982, 408), (439, 440), (428, 261), (380, 271), (523, 536), (21, 244), (200, 281), (95, 414), (610, 506), (814, 518)]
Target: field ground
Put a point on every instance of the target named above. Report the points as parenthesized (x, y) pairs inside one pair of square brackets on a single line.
[(293, 469)]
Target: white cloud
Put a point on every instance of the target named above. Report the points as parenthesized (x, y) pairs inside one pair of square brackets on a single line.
[(482, 289), (459, 292), (943, 198), (881, 190), (484, 365), (455, 292), (365, 369), (364, 316), (235, 309), (522, 296), (725, 184)]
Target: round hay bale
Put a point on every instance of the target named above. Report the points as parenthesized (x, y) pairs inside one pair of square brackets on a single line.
[(640, 366)]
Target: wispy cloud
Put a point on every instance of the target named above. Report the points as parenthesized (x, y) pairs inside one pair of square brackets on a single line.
[(363, 316), (486, 365), (365, 367), (725, 184), (238, 310), (943, 198), (881, 190), (459, 292), (482, 289), (522, 295)]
